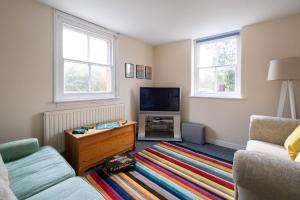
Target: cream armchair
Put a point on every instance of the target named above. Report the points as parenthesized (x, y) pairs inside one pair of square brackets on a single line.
[(264, 170)]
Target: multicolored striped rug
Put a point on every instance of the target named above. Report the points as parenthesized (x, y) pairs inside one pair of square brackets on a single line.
[(169, 171)]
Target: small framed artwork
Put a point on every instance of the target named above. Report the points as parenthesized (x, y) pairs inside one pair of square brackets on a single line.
[(129, 70), (140, 71), (148, 72)]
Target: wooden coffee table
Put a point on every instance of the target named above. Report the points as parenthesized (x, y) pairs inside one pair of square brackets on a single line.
[(84, 151)]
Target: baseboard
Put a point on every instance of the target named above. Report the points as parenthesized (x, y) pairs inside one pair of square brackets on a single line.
[(159, 139), (224, 143)]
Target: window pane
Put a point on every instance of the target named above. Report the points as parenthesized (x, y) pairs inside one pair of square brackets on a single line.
[(99, 51), (218, 53), (76, 77), (74, 44), (226, 79), (100, 79), (207, 80)]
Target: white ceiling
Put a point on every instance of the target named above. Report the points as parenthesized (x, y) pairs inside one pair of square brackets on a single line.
[(161, 21)]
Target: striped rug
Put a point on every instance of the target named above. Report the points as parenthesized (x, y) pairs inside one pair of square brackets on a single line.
[(169, 171)]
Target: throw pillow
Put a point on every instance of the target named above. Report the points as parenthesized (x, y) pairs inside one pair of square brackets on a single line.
[(5, 192), (292, 143), (3, 172)]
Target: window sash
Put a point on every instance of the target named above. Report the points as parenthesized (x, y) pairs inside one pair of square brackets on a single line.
[(196, 91), (87, 62), (198, 87), (95, 35), (198, 44), (217, 66), (89, 78), (60, 20)]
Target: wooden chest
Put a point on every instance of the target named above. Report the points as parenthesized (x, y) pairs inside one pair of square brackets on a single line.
[(90, 149)]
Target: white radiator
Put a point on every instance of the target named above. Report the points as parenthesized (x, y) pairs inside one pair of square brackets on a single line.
[(55, 122)]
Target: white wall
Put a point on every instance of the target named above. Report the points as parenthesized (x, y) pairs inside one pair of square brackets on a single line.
[(227, 120), (26, 69)]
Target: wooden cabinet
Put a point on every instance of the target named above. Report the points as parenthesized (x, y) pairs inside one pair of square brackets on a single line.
[(90, 149)]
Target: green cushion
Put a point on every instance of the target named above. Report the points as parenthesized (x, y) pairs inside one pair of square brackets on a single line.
[(17, 149), (72, 189), (38, 171)]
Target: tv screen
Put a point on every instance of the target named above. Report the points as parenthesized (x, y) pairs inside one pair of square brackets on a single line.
[(159, 99)]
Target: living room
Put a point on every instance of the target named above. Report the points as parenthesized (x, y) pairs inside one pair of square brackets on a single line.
[(155, 44)]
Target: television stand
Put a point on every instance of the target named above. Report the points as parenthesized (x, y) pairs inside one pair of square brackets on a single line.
[(159, 126)]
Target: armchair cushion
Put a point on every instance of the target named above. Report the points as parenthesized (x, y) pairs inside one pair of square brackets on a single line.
[(271, 129), (266, 175), (17, 149), (292, 143), (268, 148)]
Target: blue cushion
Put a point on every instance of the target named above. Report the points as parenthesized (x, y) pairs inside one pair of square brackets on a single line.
[(72, 189), (37, 172)]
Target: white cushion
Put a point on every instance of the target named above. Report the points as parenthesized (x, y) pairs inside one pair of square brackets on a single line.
[(5, 192), (3, 172), (265, 147)]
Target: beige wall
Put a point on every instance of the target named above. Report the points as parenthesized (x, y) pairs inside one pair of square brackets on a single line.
[(26, 69), (227, 120), (26, 74), (133, 51)]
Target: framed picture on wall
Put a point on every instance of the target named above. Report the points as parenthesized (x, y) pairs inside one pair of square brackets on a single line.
[(129, 70), (148, 72), (140, 71)]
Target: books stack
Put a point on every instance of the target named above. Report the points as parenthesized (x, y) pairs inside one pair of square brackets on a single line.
[(118, 163)]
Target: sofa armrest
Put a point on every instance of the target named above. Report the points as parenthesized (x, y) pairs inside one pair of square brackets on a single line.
[(17, 149), (267, 175), (271, 129)]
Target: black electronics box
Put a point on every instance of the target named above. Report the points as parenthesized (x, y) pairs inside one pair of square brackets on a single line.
[(119, 163)]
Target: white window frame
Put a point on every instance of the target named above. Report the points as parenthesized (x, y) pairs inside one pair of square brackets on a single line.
[(195, 79), (62, 19)]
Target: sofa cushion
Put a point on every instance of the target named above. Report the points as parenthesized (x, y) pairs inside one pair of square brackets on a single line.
[(17, 149), (265, 147), (37, 172), (72, 189)]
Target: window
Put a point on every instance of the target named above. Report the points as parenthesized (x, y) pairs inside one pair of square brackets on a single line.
[(84, 60), (216, 71)]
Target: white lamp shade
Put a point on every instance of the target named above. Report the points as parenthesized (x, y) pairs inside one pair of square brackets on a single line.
[(284, 69)]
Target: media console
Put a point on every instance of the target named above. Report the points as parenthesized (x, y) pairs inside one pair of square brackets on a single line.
[(159, 126)]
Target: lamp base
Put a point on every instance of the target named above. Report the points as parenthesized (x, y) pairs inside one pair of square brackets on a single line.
[(287, 87)]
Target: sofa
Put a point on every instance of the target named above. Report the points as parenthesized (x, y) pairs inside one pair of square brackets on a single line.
[(264, 170), (36, 173)]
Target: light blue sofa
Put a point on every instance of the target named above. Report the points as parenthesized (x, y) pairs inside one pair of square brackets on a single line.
[(42, 173)]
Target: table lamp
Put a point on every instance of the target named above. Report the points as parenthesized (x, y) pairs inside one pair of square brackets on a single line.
[(286, 70)]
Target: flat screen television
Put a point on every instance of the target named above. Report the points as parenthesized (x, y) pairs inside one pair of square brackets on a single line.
[(159, 99)]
